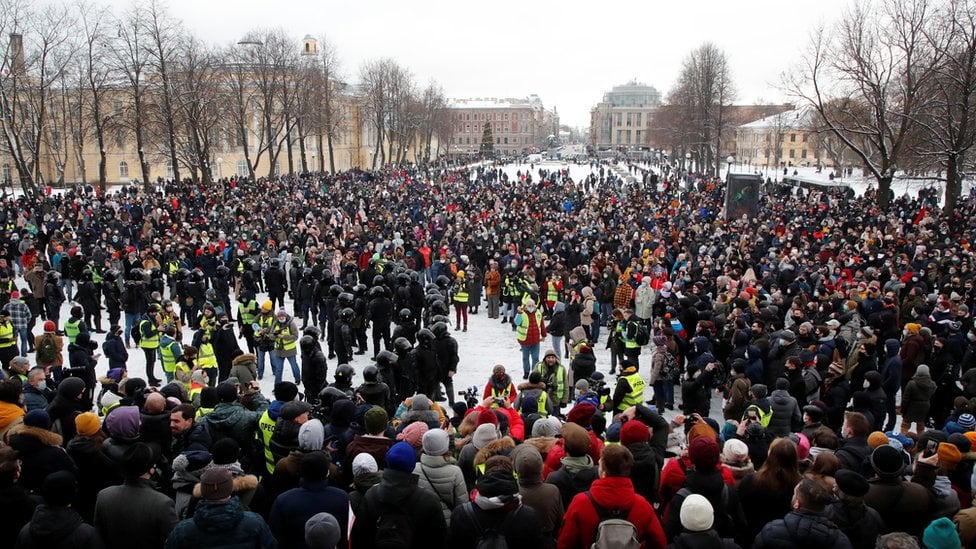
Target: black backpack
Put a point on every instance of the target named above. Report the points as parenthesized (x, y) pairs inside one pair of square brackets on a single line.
[(643, 334), (394, 527), (492, 537)]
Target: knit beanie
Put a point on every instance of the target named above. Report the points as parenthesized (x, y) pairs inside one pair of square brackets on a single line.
[(483, 435), (877, 438), (703, 452), (949, 455), (364, 464), (528, 462), (967, 421), (322, 531), (38, 418), (696, 513), (547, 427), (376, 419), (87, 424), (735, 451), (226, 392), (413, 434), (420, 402), (497, 482), (401, 457), (887, 461), (941, 534), (487, 416), (436, 442), (582, 414), (633, 432)]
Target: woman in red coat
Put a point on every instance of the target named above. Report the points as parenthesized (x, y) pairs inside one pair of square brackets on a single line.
[(613, 490)]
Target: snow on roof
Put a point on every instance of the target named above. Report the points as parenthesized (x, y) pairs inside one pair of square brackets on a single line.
[(494, 103), (801, 118)]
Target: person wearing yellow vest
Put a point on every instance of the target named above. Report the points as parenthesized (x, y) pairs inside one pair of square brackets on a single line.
[(629, 390), (170, 351), (206, 356), (264, 338), (283, 393), (75, 324), (286, 346), (198, 381), (460, 297), (186, 365), (530, 330), (8, 339), (499, 385), (149, 341), (557, 382), (247, 314), (533, 390)]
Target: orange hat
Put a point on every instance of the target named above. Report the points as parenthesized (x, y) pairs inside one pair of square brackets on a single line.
[(877, 438), (971, 435), (913, 327), (701, 430), (949, 455)]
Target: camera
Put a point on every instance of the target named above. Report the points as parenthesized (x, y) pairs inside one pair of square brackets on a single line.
[(499, 401), (470, 396)]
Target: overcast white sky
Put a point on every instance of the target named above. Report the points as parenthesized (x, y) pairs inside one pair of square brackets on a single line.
[(569, 53)]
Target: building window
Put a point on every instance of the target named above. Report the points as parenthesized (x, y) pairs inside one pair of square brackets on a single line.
[(6, 174), (119, 139), (620, 118), (792, 138), (803, 153), (638, 137), (505, 116), (627, 135), (805, 138), (123, 170), (792, 153), (242, 170), (620, 136), (169, 169), (506, 141), (639, 121)]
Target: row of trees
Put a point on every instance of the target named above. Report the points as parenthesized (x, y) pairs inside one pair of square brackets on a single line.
[(892, 84), (78, 77)]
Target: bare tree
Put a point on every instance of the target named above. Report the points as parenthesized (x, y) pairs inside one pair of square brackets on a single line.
[(199, 104), (163, 36), (704, 92), (91, 116), (434, 113), (374, 78), (329, 112), (881, 60), (37, 53), (131, 58), (947, 129)]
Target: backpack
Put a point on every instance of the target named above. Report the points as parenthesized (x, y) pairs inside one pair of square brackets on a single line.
[(722, 513), (669, 369), (614, 530), (47, 350), (643, 336), (491, 537), (394, 527)]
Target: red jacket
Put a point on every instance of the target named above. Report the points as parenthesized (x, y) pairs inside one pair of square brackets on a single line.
[(581, 520), (558, 452), (516, 427)]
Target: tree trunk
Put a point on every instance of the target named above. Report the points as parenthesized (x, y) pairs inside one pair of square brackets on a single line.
[(884, 191), (332, 169), (953, 186)]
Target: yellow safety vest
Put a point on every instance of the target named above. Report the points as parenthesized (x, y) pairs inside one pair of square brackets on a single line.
[(267, 426), (764, 416), (636, 394), (560, 377), (522, 325), (202, 412), (622, 330), (206, 357), (194, 390), (461, 296), (72, 329), (248, 312), (552, 294), (148, 342), (168, 356), (7, 336), (283, 344)]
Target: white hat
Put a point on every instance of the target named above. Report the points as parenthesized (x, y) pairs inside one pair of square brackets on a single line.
[(696, 513), (734, 450)]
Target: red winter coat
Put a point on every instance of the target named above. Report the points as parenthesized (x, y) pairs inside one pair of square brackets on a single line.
[(558, 452), (581, 520)]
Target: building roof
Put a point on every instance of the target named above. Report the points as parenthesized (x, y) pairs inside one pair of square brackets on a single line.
[(801, 118), (531, 102)]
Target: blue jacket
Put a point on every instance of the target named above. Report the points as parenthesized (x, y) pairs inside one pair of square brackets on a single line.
[(222, 525), (293, 508)]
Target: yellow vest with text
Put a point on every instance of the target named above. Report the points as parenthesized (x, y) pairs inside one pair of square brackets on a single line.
[(636, 394), (267, 426)]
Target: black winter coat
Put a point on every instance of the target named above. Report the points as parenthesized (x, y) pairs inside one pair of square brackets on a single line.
[(57, 528), (521, 526), (801, 529), (115, 351), (315, 371)]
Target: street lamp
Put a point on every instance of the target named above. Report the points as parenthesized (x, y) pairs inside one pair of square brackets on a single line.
[(729, 159), (688, 160)]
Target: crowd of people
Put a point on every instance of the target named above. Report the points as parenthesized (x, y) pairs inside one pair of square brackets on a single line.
[(801, 378)]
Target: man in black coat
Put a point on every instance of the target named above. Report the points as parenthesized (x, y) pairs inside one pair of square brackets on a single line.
[(806, 525)]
